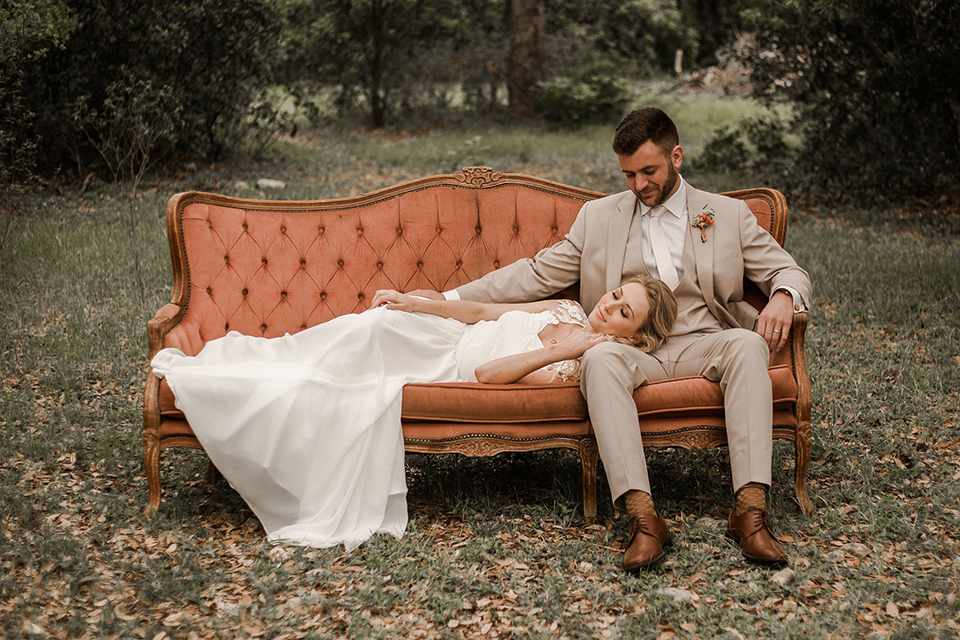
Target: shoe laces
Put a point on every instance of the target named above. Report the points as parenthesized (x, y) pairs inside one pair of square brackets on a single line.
[(761, 520)]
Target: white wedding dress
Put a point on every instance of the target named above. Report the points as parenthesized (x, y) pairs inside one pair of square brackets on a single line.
[(306, 427)]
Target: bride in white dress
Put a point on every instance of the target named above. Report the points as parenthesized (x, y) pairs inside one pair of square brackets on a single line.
[(306, 427)]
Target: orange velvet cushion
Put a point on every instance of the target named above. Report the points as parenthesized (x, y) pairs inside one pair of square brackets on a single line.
[(519, 405)]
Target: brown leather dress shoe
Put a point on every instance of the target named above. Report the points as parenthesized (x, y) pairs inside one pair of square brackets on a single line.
[(649, 534), (752, 530)]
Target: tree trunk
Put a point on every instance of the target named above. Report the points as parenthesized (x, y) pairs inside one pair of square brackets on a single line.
[(525, 62)]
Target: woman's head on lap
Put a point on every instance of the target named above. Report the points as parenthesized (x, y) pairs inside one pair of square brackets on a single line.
[(640, 312)]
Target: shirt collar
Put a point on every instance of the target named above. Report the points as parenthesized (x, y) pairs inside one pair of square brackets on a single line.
[(675, 204)]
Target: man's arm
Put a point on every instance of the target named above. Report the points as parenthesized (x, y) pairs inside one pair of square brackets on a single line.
[(777, 273)]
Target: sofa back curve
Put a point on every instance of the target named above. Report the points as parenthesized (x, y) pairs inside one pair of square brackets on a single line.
[(267, 268)]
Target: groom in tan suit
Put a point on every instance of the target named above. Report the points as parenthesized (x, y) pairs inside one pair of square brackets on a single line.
[(652, 228)]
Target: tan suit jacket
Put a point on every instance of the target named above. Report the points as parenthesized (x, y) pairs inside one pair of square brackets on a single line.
[(594, 249)]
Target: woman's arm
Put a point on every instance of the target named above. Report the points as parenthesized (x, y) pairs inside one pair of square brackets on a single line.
[(463, 310), (525, 367)]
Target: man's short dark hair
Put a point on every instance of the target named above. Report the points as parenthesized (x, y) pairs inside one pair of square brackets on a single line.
[(642, 125)]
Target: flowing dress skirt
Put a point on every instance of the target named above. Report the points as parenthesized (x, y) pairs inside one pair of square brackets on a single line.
[(306, 427)]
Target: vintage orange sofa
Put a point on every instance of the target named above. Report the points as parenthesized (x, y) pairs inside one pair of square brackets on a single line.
[(267, 268)]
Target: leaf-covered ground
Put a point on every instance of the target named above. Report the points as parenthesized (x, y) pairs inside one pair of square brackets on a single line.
[(495, 547)]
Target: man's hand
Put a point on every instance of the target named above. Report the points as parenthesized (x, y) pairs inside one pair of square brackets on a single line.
[(775, 320), (429, 294)]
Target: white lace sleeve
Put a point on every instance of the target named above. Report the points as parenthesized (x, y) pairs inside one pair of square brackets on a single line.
[(567, 312)]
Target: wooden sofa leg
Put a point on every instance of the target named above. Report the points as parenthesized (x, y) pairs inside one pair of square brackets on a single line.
[(213, 474), (803, 445), (589, 454), (151, 466)]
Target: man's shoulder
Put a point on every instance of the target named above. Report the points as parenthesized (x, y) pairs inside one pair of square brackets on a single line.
[(613, 200), (712, 199)]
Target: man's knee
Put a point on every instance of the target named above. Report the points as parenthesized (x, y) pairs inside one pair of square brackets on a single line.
[(747, 344), (611, 363)]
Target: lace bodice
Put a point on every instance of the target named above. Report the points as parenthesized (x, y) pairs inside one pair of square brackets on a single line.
[(568, 312), (516, 332)]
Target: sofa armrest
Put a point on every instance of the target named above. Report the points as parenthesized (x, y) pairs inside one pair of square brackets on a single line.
[(805, 395), (160, 325)]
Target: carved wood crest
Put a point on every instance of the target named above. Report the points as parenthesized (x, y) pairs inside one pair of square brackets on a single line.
[(478, 176)]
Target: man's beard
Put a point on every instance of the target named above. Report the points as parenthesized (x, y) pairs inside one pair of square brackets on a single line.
[(673, 176)]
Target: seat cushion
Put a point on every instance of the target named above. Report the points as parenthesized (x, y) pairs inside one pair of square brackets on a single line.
[(447, 410)]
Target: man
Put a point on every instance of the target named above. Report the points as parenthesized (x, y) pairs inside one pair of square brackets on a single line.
[(702, 245)]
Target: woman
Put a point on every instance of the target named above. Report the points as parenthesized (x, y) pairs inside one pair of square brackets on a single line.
[(306, 427)]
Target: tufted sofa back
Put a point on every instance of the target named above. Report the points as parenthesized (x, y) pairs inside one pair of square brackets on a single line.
[(266, 268), (269, 268)]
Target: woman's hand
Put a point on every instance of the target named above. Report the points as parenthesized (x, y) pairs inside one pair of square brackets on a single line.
[(394, 300), (575, 343)]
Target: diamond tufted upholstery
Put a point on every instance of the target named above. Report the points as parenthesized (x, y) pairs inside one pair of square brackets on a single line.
[(269, 268)]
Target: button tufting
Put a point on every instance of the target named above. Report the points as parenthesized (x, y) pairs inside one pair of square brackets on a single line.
[(320, 230), (245, 292), (359, 231), (360, 296), (302, 327), (379, 265), (323, 295), (439, 230), (303, 263), (339, 263), (459, 263), (263, 327), (516, 230), (244, 226), (226, 327), (553, 229), (283, 229), (263, 262), (478, 230), (226, 259), (496, 264), (419, 265), (283, 294), (400, 232), (209, 291)]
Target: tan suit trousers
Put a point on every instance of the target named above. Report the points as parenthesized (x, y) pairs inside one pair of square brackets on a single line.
[(735, 358)]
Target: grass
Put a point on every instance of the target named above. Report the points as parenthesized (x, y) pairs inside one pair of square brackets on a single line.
[(495, 547)]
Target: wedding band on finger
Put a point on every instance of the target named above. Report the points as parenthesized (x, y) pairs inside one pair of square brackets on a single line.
[(776, 330)]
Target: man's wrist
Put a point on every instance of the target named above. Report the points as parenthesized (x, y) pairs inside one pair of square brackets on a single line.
[(798, 304)]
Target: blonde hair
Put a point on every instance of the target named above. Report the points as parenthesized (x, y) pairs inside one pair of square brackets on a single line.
[(660, 318)]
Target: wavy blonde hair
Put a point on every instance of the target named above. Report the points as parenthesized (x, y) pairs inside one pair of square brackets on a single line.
[(660, 318)]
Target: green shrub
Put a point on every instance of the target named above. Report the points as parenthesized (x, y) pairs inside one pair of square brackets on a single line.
[(144, 77), (877, 83), (567, 101), (757, 146)]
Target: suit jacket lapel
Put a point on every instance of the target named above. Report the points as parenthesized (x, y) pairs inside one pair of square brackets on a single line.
[(618, 232), (702, 251)]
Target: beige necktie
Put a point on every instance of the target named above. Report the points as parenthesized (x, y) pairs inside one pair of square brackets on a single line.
[(661, 251)]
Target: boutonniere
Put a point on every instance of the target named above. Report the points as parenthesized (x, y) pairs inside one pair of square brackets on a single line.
[(703, 221)]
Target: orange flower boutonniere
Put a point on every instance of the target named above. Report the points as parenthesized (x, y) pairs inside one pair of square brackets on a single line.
[(703, 221)]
